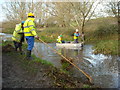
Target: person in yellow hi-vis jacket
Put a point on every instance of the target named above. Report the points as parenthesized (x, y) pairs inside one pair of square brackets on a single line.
[(30, 34), (60, 39), (18, 36), (76, 35)]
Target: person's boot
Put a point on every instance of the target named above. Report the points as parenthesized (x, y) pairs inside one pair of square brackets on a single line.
[(16, 49), (21, 51), (28, 55)]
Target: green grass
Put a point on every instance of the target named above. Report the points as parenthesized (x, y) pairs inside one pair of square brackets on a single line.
[(106, 47), (50, 34), (65, 65), (104, 39), (64, 71), (8, 30), (31, 66), (5, 43), (86, 86), (38, 60)]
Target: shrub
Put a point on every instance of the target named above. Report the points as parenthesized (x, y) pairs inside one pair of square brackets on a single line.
[(106, 30)]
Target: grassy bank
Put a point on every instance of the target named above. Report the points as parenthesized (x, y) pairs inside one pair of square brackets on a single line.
[(106, 47), (8, 30), (50, 34), (104, 39)]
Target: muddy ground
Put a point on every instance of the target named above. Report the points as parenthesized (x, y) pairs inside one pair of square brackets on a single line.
[(20, 73)]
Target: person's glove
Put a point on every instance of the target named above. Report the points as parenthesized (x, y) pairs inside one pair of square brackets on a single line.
[(36, 37)]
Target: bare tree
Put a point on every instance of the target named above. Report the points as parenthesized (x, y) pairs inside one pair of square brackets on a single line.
[(75, 14), (36, 8), (112, 8), (60, 12), (17, 11), (78, 12), (83, 11)]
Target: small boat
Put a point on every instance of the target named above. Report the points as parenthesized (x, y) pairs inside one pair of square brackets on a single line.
[(70, 45)]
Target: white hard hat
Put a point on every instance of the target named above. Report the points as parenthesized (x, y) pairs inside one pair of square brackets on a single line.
[(76, 30)]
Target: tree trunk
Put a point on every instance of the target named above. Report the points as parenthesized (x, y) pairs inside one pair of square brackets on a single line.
[(119, 17), (82, 30)]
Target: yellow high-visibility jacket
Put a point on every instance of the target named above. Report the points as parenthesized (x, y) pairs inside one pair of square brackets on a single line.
[(59, 40), (29, 27), (76, 35), (16, 36)]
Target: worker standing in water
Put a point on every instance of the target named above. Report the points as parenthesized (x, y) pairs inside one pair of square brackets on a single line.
[(18, 36), (76, 35), (30, 34)]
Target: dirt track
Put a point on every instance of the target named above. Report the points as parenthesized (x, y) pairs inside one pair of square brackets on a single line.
[(16, 77)]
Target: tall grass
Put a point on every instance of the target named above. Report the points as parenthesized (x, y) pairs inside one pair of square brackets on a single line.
[(103, 32), (107, 47), (8, 30), (105, 39), (51, 34)]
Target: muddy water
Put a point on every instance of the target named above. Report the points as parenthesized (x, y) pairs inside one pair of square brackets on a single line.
[(102, 68)]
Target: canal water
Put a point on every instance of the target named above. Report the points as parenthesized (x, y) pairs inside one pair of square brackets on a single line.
[(102, 68)]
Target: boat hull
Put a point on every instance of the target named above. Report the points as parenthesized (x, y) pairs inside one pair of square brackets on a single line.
[(69, 45)]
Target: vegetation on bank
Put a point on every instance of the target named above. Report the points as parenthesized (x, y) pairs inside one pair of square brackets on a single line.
[(97, 31), (106, 40), (106, 47), (8, 30), (50, 34)]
